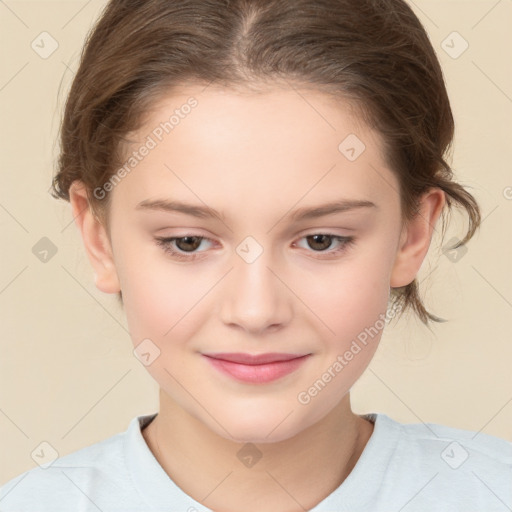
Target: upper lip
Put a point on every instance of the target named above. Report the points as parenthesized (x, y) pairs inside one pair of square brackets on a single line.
[(242, 358)]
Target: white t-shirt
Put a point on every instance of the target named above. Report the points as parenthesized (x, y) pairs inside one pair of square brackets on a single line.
[(403, 467)]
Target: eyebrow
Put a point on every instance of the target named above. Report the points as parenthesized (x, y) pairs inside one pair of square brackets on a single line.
[(305, 213)]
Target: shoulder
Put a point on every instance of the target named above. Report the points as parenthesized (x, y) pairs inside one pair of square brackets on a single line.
[(96, 472), (449, 465), (455, 445)]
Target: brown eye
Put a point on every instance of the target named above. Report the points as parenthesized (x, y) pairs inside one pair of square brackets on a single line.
[(319, 242), (322, 244), (188, 243), (183, 247)]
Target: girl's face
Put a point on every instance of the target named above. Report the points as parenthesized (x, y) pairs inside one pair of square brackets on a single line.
[(256, 172)]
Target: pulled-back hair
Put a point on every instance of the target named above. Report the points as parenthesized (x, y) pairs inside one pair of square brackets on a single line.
[(374, 54)]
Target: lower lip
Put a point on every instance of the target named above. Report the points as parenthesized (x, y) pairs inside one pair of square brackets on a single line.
[(257, 373)]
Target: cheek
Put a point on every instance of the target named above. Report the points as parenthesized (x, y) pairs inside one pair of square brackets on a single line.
[(159, 297), (166, 301), (350, 296), (160, 302)]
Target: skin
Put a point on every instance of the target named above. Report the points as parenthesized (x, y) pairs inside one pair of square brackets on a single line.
[(256, 158)]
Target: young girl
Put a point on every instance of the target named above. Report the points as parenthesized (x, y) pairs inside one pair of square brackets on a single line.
[(261, 179)]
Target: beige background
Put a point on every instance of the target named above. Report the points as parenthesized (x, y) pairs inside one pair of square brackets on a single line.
[(67, 372)]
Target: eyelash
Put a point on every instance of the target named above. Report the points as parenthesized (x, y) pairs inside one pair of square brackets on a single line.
[(165, 243)]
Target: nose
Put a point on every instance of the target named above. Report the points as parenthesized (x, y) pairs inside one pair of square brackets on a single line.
[(255, 297)]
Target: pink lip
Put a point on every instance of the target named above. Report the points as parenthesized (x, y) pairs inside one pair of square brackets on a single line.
[(259, 368)]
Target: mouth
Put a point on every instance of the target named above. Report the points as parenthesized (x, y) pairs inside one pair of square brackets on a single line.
[(256, 369)]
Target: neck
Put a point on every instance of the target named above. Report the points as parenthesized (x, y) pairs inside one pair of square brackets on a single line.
[(291, 475)]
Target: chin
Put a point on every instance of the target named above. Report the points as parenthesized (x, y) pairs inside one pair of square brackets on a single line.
[(257, 435), (259, 427)]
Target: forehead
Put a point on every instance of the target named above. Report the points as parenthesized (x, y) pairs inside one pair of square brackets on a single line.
[(260, 149), (264, 112)]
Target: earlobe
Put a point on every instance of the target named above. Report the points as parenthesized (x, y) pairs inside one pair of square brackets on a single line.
[(416, 237), (95, 239)]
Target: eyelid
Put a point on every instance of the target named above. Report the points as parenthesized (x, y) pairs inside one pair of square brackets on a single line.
[(165, 243)]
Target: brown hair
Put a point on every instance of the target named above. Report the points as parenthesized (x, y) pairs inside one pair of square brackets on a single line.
[(373, 53)]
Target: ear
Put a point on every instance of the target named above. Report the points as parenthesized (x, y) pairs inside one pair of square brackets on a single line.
[(416, 237), (95, 238)]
